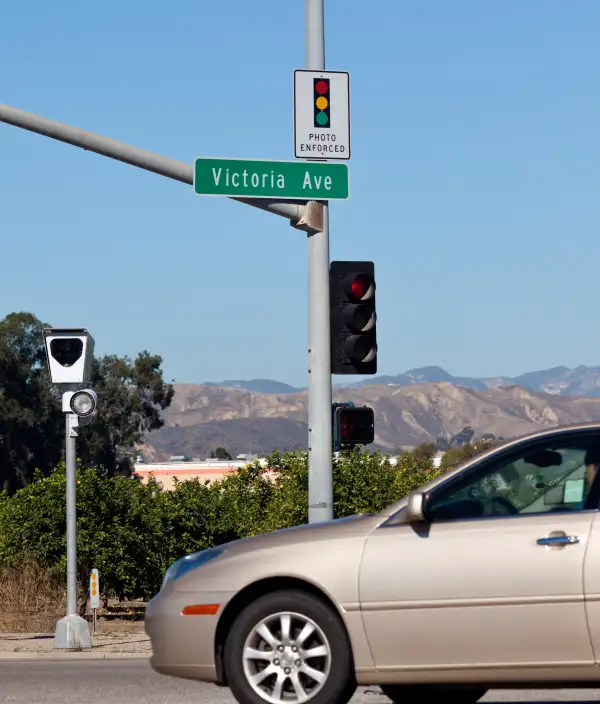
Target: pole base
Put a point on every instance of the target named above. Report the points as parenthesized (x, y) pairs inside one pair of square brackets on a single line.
[(72, 633)]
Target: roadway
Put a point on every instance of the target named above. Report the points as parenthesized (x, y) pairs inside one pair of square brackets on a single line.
[(132, 682)]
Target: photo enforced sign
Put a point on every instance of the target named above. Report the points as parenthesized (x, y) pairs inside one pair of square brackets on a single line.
[(322, 115)]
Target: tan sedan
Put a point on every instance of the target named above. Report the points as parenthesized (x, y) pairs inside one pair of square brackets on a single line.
[(487, 577)]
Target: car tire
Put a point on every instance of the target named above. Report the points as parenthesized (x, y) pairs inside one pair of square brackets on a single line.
[(424, 694), (321, 664)]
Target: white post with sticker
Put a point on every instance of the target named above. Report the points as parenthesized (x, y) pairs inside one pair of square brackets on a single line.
[(94, 594)]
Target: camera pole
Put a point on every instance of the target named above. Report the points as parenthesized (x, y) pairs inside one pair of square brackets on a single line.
[(72, 631), (70, 354), (71, 462)]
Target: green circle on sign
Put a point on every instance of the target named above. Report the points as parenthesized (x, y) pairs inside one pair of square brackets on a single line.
[(322, 118)]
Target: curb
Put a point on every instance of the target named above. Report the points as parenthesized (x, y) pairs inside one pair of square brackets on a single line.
[(82, 655)]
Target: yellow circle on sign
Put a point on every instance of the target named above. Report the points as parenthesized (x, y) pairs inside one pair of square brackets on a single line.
[(322, 102), (93, 592)]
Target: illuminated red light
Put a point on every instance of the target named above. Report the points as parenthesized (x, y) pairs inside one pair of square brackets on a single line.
[(360, 287), (348, 428), (321, 87)]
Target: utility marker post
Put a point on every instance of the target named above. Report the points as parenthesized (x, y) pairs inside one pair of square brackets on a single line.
[(94, 595), (320, 440)]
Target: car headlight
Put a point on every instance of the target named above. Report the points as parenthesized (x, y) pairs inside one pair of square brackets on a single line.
[(190, 562)]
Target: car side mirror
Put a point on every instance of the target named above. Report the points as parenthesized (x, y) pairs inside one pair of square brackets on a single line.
[(416, 507)]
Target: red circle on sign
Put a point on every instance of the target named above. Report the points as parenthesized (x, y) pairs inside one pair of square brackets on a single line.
[(322, 87)]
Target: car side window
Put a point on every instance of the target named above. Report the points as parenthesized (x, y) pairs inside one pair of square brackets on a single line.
[(555, 476)]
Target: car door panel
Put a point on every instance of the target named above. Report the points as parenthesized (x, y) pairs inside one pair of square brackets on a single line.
[(477, 593), (591, 581)]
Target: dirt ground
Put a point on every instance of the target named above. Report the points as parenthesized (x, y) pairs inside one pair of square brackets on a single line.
[(119, 629)]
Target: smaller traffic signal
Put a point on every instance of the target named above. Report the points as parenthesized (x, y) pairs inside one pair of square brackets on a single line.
[(353, 318), (322, 99), (352, 425)]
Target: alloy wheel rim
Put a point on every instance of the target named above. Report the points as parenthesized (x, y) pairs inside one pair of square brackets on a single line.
[(287, 658)]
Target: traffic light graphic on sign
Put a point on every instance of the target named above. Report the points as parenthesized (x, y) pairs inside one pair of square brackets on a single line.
[(353, 318), (322, 99)]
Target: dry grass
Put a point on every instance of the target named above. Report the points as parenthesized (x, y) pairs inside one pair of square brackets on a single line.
[(118, 627), (31, 600), (120, 618)]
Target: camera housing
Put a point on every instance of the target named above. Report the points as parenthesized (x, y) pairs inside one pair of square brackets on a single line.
[(69, 353)]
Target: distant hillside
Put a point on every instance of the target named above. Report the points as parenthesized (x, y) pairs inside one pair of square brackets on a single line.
[(260, 386), (202, 418), (562, 381)]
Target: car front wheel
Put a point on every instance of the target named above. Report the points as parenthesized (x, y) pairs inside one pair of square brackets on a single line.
[(289, 646), (417, 694)]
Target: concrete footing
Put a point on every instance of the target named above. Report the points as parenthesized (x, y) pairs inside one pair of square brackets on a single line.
[(72, 633)]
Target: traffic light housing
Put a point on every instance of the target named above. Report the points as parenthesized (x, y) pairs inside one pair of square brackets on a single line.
[(321, 103), (352, 425), (353, 318)]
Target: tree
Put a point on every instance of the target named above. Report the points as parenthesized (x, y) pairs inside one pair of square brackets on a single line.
[(465, 437), (30, 417), (425, 451), (131, 395), (220, 454), (456, 455)]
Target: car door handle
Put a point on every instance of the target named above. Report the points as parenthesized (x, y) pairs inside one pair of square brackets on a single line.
[(559, 540)]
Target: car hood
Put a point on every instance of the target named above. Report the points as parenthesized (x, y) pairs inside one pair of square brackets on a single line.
[(358, 525)]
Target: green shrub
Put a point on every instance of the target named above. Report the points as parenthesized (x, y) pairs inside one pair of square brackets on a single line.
[(119, 529), (367, 482), (131, 531)]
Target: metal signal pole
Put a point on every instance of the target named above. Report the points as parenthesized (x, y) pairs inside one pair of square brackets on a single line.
[(320, 441)]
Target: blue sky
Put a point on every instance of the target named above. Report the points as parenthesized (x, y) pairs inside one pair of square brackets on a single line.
[(474, 180)]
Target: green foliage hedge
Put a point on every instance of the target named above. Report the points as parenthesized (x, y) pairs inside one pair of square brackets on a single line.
[(131, 532)]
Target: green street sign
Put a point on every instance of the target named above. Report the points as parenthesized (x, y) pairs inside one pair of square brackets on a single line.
[(257, 178)]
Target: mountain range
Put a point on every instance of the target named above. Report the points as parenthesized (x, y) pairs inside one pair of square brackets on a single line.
[(563, 381), (204, 417)]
